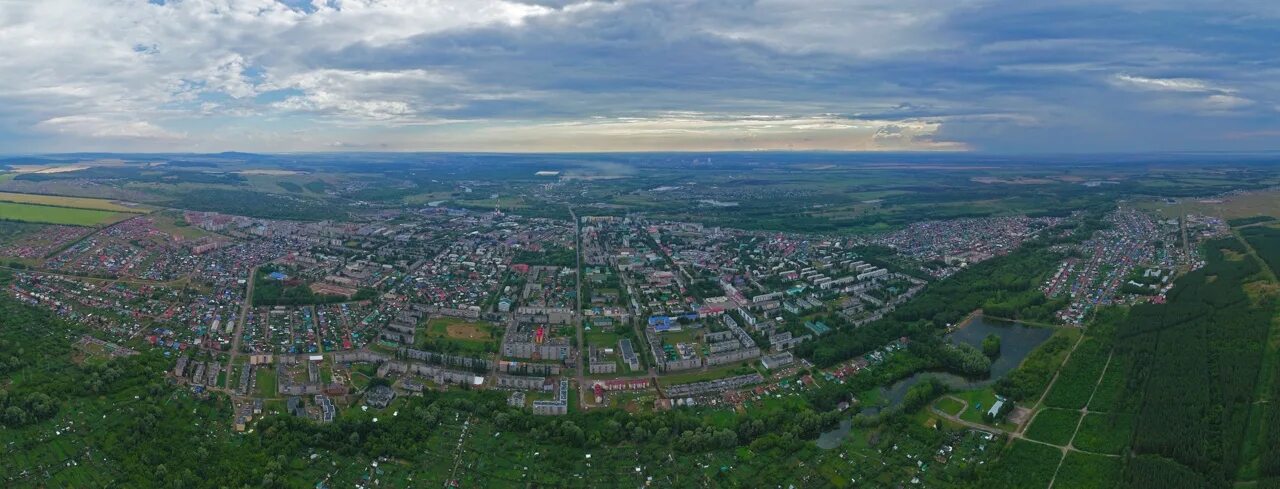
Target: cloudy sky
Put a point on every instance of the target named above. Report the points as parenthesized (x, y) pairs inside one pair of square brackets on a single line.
[(575, 75)]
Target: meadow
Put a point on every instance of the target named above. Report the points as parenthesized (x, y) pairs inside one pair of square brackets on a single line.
[(73, 202), (453, 335), (459, 329), (58, 215)]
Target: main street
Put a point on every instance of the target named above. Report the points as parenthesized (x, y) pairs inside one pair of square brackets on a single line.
[(240, 320), (577, 310)]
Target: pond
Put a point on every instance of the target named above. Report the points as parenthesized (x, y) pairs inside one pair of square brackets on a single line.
[(1016, 342), (835, 437)]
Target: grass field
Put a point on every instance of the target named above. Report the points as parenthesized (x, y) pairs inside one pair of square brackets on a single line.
[(980, 401), (459, 329), (687, 335), (266, 382), (949, 405), (76, 202), (602, 338), (501, 202), (776, 406), (453, 335), (58, 215), (1244, 205), (695, 375), (175, 225), (419, 199)]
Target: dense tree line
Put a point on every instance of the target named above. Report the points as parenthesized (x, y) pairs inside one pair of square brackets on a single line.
[(959, 358), (1266, 242), (1195, 364), (557, 256), (271, 292), (1245, 221), (256, 204), (24, 352), (1006, 286)]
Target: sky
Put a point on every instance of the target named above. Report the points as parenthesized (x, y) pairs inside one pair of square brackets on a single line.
[(635, 75)]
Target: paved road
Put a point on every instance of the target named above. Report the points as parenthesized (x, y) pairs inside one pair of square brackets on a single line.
[(244, 313), (577, 311), (1182, 225)]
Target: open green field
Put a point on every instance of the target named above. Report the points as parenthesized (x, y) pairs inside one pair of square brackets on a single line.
[(777, 405), (1240, 206), (949, 405), (697, 375), (423, 198), (686, 335), (177, 226), (58, 215), (76, 202), (459, 329), (266, 382), (454, 335), (980, 401), (505, 203), (602, 339)]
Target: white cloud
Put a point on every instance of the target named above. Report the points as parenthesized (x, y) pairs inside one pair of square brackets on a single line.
[(99, 128), (1219, 101), (863, 28), (691, 131), (740, 74), (1187, 93), (227, 76), (1165, 84), (74, 61), (363, 95)]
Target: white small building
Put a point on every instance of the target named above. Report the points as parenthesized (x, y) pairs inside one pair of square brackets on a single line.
[(995, 408)]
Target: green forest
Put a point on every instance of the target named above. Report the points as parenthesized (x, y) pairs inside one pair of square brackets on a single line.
[(1005, 287), (1195, 364)]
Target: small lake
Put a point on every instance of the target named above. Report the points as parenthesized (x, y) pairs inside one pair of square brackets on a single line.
[(835, 437), (1016, 342)]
